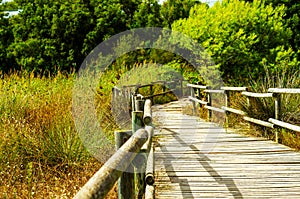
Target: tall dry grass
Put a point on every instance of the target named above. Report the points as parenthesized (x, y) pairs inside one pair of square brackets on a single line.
[(41, 155), (263, 108)]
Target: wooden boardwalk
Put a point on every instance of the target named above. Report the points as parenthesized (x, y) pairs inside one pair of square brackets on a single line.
[(198, 159)]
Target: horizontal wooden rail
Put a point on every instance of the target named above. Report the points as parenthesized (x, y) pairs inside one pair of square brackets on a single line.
[(214, 109), (284, 90), (161, 82), (272, 93), (234, 88), (128, 164), (158, 94), (147, 117), (149, 177), (147, 146), (251, 94), (196, 86), (197, 100), (149, 193), (99, 185), (131, 86), (285, 125), (260, 122), (214, 91), (232, 110)]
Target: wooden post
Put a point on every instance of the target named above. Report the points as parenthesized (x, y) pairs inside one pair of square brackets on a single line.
[(126, 187), (277, 98), (139, 162), (198, 91), (132, 99), (123, 92), (126, 93), (137, 120), (227, 104), (151, 91), (193, 102), (209, 103), (137, 114), (139, 171), (277, 106), (181, 88), (249, 108), (164, 86), (114, 94), (139, 104), (104, 179), (147, 117)]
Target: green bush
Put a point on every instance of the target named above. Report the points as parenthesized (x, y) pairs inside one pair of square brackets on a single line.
[(240, 36)]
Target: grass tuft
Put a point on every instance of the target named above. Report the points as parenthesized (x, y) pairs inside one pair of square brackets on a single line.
[(263, 108), (41, 155)]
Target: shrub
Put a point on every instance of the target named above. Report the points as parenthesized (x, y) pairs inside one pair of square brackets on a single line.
[(239, 36)]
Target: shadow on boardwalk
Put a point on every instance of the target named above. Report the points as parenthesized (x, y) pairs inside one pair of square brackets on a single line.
[(198, 159), (204, 161)]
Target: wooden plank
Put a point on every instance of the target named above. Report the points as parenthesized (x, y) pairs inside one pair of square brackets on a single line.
[(195, 159)]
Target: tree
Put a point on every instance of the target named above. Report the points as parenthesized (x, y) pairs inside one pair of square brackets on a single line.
[(147, 15), (49, 35), (6, 38), (291, 17), (172, 10), (240, 36), (108, 18), (52, 34)]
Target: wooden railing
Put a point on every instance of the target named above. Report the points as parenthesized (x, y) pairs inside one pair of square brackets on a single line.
[(274, 93), (132, 164), (128, 90)]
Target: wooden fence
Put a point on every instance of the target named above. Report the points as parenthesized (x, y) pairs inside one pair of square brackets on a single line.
[(167, 87), (274, 93), (132, 164)]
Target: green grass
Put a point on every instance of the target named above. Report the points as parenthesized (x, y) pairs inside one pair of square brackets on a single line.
[(263, 108), (41, 155)]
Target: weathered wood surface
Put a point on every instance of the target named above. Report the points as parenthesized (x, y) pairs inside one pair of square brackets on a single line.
[(197, 159)]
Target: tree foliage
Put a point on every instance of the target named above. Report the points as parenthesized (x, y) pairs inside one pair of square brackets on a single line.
[(5, 40), (49, 34), (147, 15), (291, 17), (52, 34), (241, 37), (173, 10)]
